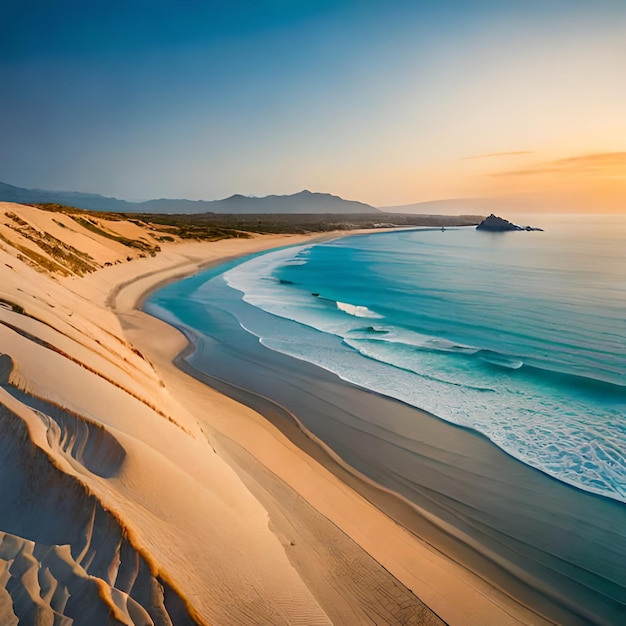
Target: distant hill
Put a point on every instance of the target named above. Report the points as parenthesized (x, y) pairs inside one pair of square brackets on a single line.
[(449, 206), (301, 203), (93, 202)]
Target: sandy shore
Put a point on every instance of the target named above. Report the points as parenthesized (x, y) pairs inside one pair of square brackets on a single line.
[(138, 492), (262, 453)]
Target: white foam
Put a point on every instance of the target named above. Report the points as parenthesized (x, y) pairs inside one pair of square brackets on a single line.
[(547, 427), (453, 390), (357, 310)]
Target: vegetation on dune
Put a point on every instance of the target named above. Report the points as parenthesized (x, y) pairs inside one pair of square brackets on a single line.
[(211, 226), (71, 210), (64, 259), (198, 231), (13, 306), (93, 226), (38, 261), (297, 223), (164, 227)]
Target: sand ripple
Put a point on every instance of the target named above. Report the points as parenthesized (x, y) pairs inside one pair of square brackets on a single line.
[(64, 559)]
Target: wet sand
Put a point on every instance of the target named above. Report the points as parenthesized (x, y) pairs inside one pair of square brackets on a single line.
[(554, 548), (132, 491)]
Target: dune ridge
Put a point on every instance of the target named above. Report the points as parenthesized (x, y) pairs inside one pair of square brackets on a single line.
[(131, 493), (65, 559)]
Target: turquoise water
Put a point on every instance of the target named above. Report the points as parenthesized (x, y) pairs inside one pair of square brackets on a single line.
[(520, 336)]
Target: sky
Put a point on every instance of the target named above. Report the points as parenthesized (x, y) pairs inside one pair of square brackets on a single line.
[(389, 102)]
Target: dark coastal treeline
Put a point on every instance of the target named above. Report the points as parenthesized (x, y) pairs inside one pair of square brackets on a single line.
[(217, 226)]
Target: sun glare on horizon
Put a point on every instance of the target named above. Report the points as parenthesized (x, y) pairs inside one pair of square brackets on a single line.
[(388, 103)]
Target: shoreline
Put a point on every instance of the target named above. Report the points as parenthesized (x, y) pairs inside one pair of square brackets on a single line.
[(146, 494), (475, 596)]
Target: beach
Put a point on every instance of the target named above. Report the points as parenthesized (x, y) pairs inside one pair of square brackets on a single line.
[(459, 597), (313, 313), (560, 548), (137, 490), (508, 522)]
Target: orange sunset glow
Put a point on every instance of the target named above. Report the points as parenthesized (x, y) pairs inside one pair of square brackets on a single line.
[(387, 103)]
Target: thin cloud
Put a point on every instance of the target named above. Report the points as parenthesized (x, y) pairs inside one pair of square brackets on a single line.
[(496, 154), (603, 164)]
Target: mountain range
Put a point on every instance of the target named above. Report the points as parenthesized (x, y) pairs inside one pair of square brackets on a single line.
[(302, 202)]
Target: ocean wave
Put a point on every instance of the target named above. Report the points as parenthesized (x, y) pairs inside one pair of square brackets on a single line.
[(357, 310), (366, 330), (500, 360), (403, 337), (552, 389), (550, 433), (411, 365)]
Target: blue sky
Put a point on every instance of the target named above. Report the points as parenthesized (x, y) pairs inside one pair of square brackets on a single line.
[(380, 101)]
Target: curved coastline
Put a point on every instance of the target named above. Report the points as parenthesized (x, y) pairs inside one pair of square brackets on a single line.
[(102, 466), (554, 414), (459, 594), (436, 531), (236, 524)]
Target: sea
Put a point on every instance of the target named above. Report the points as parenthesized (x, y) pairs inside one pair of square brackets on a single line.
[(520, 336)]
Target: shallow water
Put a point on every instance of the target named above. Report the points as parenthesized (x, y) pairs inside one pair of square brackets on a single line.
[(520, 336), (427, 316)]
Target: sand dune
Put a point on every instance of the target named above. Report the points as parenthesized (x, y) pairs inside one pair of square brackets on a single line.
[(133, 494), (63, 557)]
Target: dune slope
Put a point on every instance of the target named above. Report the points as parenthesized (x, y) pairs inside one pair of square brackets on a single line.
[(133, 494), (112, 509)]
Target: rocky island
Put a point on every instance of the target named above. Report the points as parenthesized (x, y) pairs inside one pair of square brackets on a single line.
[(499, 224)]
